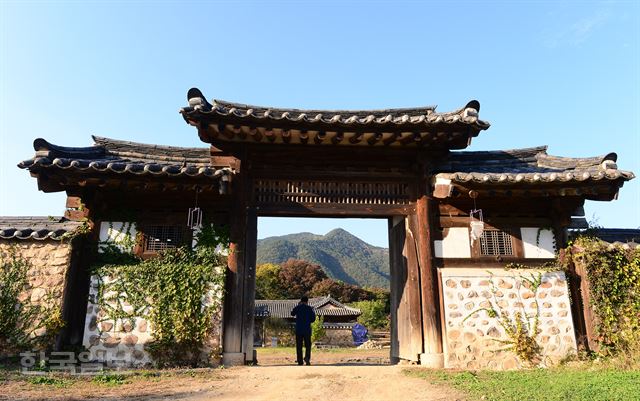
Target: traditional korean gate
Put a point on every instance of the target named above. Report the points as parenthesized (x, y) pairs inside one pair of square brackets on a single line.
[(362, 163)]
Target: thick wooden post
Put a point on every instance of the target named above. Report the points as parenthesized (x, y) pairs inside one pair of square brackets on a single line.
[(232, 349), (431, 329), (406, 324), (251, 238)]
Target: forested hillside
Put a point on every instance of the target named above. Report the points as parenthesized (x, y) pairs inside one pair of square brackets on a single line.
[(342, 255)]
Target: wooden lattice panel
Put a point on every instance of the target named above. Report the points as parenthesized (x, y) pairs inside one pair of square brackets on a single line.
[(330, 192)]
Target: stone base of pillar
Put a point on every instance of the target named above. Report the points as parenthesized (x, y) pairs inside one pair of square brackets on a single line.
[(435, 361), (233, 358)]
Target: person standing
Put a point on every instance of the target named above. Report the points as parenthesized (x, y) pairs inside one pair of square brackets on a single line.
[(304, 317)]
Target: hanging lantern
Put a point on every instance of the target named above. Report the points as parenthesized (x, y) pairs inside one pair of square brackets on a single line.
[(194, 219), (476, 221)]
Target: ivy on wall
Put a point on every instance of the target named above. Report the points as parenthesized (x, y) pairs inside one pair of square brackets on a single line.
[(521, 328), (179, 292), (613, 273), (24, 324)]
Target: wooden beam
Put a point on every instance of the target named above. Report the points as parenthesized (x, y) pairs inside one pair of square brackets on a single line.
[(286, 136), (375, 138), (488, 262), (270, 135), (391, 139), (413, 137), (304, 136), (320, 135), (337, 138), (335, 210), (356, 137)]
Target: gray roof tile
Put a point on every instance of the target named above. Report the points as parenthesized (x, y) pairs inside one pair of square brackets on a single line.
[(282, 308), (124, 157), (36, 227)]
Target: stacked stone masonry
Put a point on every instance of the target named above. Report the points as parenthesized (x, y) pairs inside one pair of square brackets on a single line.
[(122, 342), (474, 340), (48, 266)]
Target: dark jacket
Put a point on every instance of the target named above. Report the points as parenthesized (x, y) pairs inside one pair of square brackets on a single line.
[(304, 317)]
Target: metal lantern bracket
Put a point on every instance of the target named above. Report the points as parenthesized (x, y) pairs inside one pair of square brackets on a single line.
[(194, 219), (476, 220)]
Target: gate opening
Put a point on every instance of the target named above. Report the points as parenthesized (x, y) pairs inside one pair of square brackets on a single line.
[(343, 266)]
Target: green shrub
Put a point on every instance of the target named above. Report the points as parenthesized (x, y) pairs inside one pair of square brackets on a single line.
[(614, 287), (317, 329), (175, 291), (374, 314)]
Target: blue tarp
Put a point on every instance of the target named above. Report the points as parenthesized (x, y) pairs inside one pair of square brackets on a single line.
[(359, 333)]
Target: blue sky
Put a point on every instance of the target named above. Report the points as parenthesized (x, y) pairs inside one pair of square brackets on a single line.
[(561, 73)]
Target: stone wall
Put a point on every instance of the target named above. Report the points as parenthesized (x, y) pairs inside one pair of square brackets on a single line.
[(122, 343), (338, 337), (49, 262), (473, 338)]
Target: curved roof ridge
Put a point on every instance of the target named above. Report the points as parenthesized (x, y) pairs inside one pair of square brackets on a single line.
[(113, 156), (159, 153), (110, 143), (490, 154), (399, 110)]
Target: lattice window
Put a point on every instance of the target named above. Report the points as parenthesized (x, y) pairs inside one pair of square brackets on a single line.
[(161, 237), (496, 243), (322, 192)]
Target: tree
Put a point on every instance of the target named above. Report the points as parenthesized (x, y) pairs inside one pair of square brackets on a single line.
[(317, 329), (268, 284), (374, 314), (341, 291), (298, 277)]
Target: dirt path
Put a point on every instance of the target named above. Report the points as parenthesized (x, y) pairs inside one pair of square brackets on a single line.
[(309, 383), (336, 375)]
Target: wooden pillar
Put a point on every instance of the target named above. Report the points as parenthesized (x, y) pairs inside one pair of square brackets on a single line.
[(233, 316), (251, 239), (80, 207), (406, 323), (431, 329)]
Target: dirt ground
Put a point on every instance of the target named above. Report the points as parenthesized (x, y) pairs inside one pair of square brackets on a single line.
[(334, 375)]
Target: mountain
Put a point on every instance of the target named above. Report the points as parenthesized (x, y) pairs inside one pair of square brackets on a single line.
[(342, 255)]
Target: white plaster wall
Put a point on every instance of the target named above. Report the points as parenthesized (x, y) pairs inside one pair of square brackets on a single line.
[(542, 247), (115, 232), (454, 245)]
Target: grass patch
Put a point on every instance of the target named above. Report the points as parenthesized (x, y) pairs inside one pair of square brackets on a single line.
[(109, 379), (50, 381), (559, 384)]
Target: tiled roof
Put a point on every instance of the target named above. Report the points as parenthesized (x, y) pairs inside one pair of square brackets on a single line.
[(403, 126), (529, 165), (623, 235), (323, 306), (123, 157), (38, 228)]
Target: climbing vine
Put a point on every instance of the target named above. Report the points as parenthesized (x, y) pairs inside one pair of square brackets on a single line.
[(613, 272), (521, 328), (24, 324), (178, 292)]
